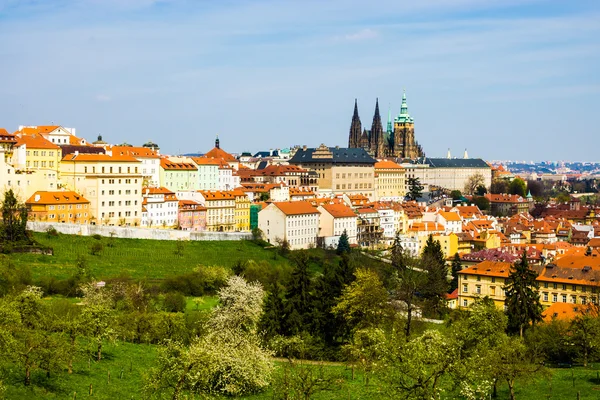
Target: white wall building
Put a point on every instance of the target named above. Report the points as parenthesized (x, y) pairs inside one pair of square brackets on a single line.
[(159, 208), (333, 221), (296, 222)]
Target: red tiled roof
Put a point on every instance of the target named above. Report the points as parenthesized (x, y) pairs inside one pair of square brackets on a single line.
[(339, 210), (296, 207)]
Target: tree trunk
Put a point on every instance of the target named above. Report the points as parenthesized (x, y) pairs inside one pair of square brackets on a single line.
[(511, 387), (495, 389), (521, 330), (408, 321), (27, 373), (99, 356), (585, 357)]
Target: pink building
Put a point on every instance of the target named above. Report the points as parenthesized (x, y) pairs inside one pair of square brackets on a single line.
[(192, 216)]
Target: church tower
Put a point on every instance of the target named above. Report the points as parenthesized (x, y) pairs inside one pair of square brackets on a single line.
[(377, 137), (404, 134), (354, 140)]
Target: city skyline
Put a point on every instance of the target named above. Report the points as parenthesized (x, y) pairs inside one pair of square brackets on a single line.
[(506, 80)]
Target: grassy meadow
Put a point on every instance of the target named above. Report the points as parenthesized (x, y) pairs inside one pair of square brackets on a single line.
[(138, 258)]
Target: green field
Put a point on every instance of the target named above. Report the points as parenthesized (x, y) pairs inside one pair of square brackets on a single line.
[(129, 363), (138, 258)]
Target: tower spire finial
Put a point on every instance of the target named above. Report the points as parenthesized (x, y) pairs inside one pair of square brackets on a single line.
[(217, 143)]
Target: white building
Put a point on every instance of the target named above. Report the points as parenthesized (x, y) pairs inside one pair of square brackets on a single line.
[(296, 222), (149, 158), (159, 208), (451, 221), (208, 172), (448, 173), (334, 220)]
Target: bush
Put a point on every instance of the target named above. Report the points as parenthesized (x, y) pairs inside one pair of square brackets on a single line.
[(51, 231), (204, 280), (96, 249), (174, 302)]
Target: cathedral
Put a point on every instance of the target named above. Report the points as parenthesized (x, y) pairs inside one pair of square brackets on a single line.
[(398, 140)]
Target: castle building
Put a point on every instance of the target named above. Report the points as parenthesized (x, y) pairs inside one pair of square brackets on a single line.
[(398, 140)]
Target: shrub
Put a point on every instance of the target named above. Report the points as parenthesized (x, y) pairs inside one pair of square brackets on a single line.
[(51, 231), (174, 302), (97, 236), (96, 249)]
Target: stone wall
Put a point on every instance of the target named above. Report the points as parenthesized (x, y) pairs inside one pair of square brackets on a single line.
[(136, 233)]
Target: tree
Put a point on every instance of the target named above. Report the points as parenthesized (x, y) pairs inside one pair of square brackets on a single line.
[(14, 219), (523, 305), (271, 322), (303, 380), (436, 277), (480, 190), (298, 297), (518, 186), (585, 336), (343, 244), (415, 189), (367, 349), (499, 187), (456, 195), (98, 314), (407, 289), (415, 370), (473, 182), (482, 202), (364, 303), (228, 360), (399, 257), (456, 268)]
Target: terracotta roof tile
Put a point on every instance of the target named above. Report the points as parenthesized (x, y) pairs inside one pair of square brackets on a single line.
[(58, 197), (296, 207)]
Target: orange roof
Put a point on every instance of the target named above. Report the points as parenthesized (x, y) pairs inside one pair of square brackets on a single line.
[(211, 195), (565, 311), (134, 151), (578, 261), (97, 158), (450, 216), (47, 128), (594, 242), (176, 166), (66, 197), (301, 192), (296, 207), (217, 152), (207, 160), (504, 198), (386, 164), (156, 190), (339, 210), (488, 268), (191, 204), (35, 141), (426, 227)]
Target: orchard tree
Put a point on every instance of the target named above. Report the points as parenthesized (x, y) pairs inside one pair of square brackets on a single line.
[(98, 314), (523, 305), (585, 336), (409, 283), (228, 360)]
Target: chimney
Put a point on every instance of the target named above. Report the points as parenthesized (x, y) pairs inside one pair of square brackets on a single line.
[(448, 156)]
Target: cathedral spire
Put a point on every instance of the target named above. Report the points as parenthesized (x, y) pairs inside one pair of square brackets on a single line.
[(217, 142), (390, 125), (355, 129), (377, 145), (404, 107)]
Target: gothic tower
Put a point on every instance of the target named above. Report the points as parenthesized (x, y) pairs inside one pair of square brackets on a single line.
[(404, 134), (354, 139), (378, 148)]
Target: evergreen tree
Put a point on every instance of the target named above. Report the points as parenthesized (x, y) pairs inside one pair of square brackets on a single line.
[(436, 280), (343, 244), (14, 219), (522, 297), (415, 189), (271, 322), (297, 298), (456, 268), (399, 256)]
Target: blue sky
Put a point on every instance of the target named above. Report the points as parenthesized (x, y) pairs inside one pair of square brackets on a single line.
[(506, 79)]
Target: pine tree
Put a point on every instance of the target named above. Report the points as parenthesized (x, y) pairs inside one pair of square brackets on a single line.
[(343, 244), (415, 189), (297, 298), (523, 305), (271, 322), (399, 256), (436, 282), (456, 268)]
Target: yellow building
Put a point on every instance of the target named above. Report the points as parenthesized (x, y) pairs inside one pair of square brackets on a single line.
[(112, 184), (242, 210), (33, 152), (339, 170), (59, 207), (570, 279), (220, 210), (448, 243), (389, 181)]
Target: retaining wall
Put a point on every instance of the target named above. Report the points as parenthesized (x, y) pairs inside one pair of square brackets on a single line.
[(135, 233)]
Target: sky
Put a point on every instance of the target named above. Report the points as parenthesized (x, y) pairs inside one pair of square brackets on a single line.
[(505, 79)]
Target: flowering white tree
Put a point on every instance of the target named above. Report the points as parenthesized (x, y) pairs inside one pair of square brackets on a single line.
[(228, 360)]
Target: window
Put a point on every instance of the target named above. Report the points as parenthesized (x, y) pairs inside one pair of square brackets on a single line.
[(574, 299), (465, 303), (478, 289), (493, 279), (465, 286), (546, 285), (574, 288), (564, 298), (545, 296), (478, 278)]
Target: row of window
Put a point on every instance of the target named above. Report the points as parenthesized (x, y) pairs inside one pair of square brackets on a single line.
[(127, 203), (41, 164), (110, 170), (356, 186), (63, 206), (40, 153), (111, 214), (357, 175), (127, 181)]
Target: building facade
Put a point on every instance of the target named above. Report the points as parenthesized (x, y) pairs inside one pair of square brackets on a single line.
[(59, 206)]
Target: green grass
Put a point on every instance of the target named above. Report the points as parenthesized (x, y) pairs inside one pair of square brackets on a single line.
[(138, 258), (133, 359), (201, 303)]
